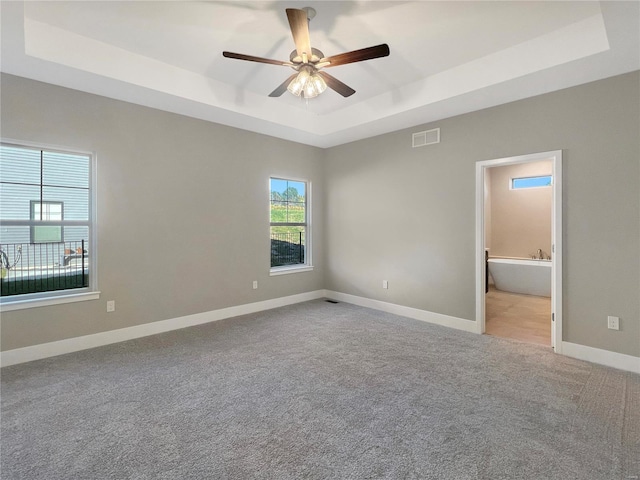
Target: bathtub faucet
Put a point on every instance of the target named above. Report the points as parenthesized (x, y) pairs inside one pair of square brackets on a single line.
[(540, 255)]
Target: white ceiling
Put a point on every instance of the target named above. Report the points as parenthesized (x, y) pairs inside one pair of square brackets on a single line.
[(447, 57)]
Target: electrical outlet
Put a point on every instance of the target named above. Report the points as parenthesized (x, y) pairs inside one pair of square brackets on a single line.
[(385, 284), (111, 306), (255, 284), (613, 323)]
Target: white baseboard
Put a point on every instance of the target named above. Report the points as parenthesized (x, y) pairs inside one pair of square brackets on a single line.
[(415, 313), (581, 352), (602, 357), (45, 350), (60, 347)]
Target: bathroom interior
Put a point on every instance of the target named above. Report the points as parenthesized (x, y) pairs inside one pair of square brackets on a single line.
[(518, 211)]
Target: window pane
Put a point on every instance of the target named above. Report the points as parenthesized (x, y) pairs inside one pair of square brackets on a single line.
[(278, 185), (19, 165), (15, 201), (75, 200), (48, 233), (42, 267), (531, 182), (288, 246), (288, 201), (47, 211), (65, 170), (13, 236)]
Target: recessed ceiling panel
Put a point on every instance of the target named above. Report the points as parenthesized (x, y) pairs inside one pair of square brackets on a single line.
[(169, 55)]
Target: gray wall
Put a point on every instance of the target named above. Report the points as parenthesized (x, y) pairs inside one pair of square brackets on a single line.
[(183, 210), (520, 220), (197, 193), (408, 215)]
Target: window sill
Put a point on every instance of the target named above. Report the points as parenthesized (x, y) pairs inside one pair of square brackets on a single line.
[(7, 305), (290, 269)]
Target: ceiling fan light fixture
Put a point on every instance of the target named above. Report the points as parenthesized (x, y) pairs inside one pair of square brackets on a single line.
[(297, 85), (315, 86), (307, 83)]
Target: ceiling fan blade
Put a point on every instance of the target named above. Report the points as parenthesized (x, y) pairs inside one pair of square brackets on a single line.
[(300, 30), (283, 86), (357, 55), (335, 84), (250, 58)]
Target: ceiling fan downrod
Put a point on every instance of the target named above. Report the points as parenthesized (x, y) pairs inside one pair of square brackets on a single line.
[(311, 12)]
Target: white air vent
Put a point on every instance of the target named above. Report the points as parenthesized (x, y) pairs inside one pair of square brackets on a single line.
[(428, 137)]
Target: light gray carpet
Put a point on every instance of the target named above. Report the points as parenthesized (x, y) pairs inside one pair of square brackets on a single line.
[(317, 391)]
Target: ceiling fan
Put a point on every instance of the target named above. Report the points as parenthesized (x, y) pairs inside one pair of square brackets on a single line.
[(310, 80)]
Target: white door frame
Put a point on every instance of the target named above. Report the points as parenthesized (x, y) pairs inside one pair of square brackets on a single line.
[(556, 239)]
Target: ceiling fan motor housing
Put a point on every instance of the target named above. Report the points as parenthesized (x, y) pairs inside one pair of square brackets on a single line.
[(316, 56)]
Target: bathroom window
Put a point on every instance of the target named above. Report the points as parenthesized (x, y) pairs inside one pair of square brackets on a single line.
[(531, 182)]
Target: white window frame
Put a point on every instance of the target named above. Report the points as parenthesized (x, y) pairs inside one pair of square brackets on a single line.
[(91, 292), (300, 267)]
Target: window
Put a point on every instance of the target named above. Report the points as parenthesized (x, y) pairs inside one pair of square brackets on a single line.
[(289, 225), (49, 211), (45, 223), (531, 182)]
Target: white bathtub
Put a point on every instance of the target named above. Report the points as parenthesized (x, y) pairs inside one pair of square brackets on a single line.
[(522, 275)]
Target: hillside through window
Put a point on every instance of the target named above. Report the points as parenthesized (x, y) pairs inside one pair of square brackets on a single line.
[(289, 222)]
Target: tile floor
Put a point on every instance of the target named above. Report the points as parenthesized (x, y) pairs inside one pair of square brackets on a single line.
[(520, 317)]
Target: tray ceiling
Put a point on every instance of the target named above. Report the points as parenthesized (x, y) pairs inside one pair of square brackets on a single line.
[(447, 58)]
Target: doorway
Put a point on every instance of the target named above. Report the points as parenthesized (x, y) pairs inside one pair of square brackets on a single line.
[(554, 254)]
